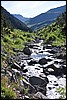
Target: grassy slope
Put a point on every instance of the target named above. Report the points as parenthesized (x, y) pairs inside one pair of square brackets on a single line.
[(15, 39)]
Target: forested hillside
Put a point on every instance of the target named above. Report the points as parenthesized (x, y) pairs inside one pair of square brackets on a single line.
[(46, 18), (55, 33), (20, 17), (8, 20)]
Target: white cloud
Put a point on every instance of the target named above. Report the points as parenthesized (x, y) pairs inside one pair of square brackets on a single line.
[(30, 8)]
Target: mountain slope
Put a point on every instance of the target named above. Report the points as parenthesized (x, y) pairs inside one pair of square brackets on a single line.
[(55, 33), (20, 17), (46, 18), (8, 20)]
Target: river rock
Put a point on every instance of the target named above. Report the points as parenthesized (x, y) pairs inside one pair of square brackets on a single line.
[(44, 47), (56, 62), (61, 56), (49, 59), (32, 62), (30, 45), (51, 66), (55, 71), (50, 69), (15, 50), (40, 51), (25, 70), (42, 61), (22, 66), (39, 83), (48, 46), (27, 51)]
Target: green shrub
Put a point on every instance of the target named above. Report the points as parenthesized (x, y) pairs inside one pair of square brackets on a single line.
[(10, 94), (7, 92), (62, 92), (18, 41)]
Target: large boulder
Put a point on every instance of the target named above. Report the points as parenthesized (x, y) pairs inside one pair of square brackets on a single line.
[(32, 62), (61, 56), (42, 61), (53, 70), (38, 83), (27, 51)]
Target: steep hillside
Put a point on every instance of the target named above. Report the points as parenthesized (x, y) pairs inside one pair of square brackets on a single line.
[(55, 33), (20, 17), (46, 18), (8, 20)]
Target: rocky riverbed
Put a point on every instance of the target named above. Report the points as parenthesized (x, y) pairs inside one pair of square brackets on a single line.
[(43, 66)]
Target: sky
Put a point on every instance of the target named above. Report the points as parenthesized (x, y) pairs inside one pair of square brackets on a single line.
[(30, 9)]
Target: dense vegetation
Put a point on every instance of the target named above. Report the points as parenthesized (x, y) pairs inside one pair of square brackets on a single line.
[(55, 33)]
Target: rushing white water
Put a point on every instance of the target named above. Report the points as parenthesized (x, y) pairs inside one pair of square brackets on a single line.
[(37, 70)]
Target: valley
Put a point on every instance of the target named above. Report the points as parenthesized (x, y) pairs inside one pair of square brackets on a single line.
[(40, 21), (33, 62)]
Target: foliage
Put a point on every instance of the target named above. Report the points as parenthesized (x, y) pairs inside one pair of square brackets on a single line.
[(14, 39), (61, 19), (9, 90), (55, 33), (6, 92), (62, 92), (10, 40)]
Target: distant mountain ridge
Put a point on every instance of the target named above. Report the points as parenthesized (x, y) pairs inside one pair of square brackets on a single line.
[(36, 23), (20, 17), (8, 20), (46, 18)]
